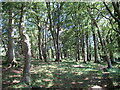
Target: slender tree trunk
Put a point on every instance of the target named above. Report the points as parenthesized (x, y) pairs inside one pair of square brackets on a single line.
[(46, 45), (78, 44), (44, 49), (50, 27), (111, 57), (87, 45), (61, 53), (104, 50), (39, 43), (57, 49), (11, 51), (103, 46), (101, 41), (110, 51), (78, 49), (90, 50), (32, 52), (55, 34), (52, 51), (57, 38), (65, 53), (95, 48), (83, 49)]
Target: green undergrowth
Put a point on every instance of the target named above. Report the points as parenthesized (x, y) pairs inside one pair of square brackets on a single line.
[(62, 75)]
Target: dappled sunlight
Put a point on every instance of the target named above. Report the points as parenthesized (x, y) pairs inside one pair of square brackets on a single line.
[(96, 88), (73, 82), (15, 81), (11, 76), (78, 66), (86, 78), (16, 71), (49, 74), (65, 76), (50, 84), (90, 70), (80, 82), (47, 80), (97, 77), (38, 81), (64, 71)]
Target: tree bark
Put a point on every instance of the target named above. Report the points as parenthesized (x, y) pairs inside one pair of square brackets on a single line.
[(26, 47), (77, 47), (95, 48), (11, 51), (39, 43), (27, 57), (57, 34), (83, 48), (44, 49), (87, 46), (90, 51), (52, 51)]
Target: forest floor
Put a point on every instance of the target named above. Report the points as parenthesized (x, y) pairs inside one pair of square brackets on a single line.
[(63, 76)]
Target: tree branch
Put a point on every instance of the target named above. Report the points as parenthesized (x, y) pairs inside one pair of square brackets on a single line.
[(116, 19)]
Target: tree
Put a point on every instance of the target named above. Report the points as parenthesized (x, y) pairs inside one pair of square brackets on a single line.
[(116, 17), (95, 47), (101, 41), (11, 51), (26, 48), (56, 28)]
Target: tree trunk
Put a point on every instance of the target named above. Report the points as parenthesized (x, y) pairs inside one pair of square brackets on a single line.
[(57, 49), (65, 53), (27, 56), (87, 46), (44, 49), (95, 48), (26, 47), (39, 43), (57, 36), (11, 51), (90, 51), (101, 41), (52, 51), (78, 43), (78, 49), (61, 53), (103, 46), (50, 26), (83, 49)]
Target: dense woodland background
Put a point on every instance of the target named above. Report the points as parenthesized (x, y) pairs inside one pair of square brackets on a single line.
[(48, 36)]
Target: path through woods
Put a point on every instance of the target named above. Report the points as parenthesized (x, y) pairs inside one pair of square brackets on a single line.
[(63, 75)]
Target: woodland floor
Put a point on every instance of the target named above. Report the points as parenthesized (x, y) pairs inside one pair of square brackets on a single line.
[(63, 76)]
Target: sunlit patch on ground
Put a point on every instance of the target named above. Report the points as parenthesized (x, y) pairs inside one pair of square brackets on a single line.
[(96, 88), (63, 75)]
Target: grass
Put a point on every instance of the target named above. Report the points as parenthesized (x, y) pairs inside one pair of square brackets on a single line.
[(62, 75)]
